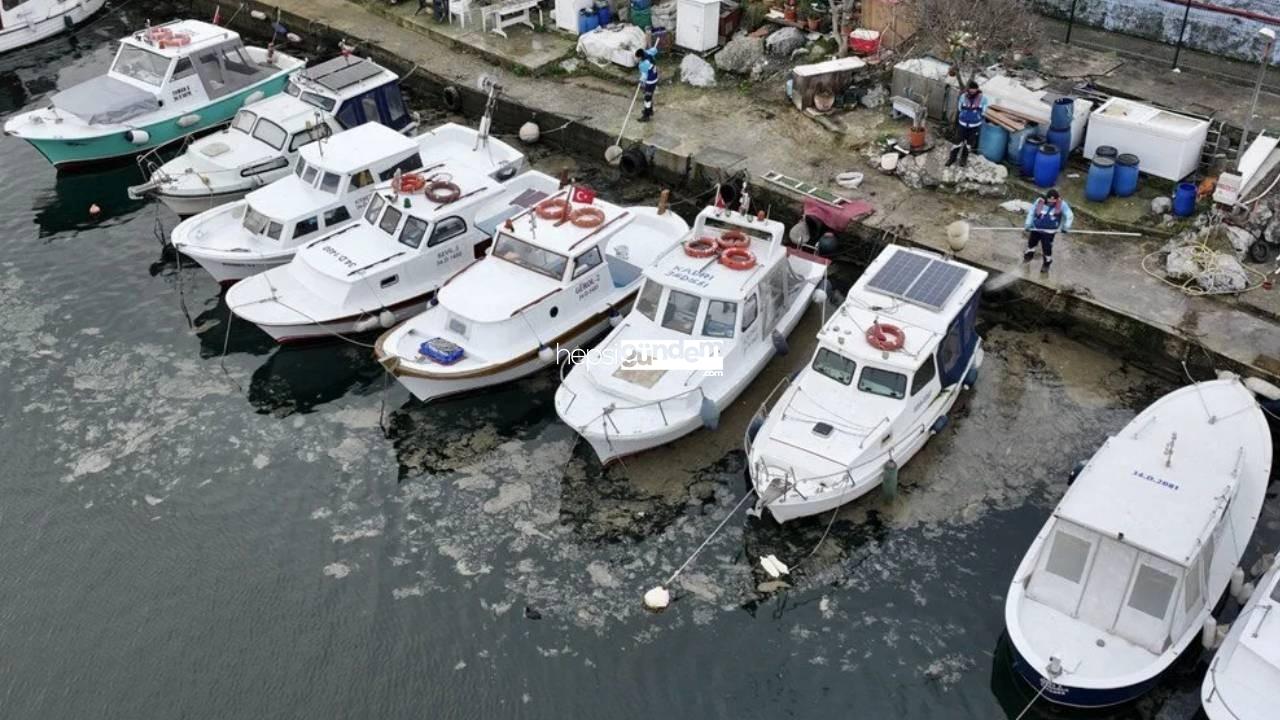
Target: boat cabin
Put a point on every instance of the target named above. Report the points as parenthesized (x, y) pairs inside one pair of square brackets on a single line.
[(354, 90)]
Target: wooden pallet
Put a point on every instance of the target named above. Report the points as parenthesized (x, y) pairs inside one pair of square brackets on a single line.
[(804, 188)]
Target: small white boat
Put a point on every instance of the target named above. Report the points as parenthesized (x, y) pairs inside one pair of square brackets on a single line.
[(23, 22), (1123, 576), (889, 366), (713, 310), (556, 275), (1243, 682), (166, 82), (263, 139), (416, 232), (328, 189)]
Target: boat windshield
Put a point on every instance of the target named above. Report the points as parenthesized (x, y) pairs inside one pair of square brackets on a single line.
[(883, 383), (142, 65), (519, 252), (834, 365), (647, 302), (259, 224), (243, 121), (310, 98), (375, 207)]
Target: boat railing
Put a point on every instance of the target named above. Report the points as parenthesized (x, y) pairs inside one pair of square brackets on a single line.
[(607, 415), (762, 412)]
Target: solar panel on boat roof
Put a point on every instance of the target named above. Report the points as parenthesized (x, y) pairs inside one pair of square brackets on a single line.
[(898, 273), (918, 279), (936, 283), (339, 73)]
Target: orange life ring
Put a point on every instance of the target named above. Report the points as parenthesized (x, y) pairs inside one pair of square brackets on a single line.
[(408, 183), (587, 217), (733, 239), (883, 336), (701, 248), (553, 209), (738, 258), (157, 33), (443, 191)]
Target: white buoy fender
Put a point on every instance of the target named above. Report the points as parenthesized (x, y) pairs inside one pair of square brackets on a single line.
[(1237, 582), (819, 296), (257, 15), (1246, 592), (293, 37), (1209, 633), (138, 137), (253, 97), (530, 132), (546, 354), (187, 121), (775, 567), (709, 413), (657, 599), (889, 479), (1262, 388), (386, 319), (957, 235)]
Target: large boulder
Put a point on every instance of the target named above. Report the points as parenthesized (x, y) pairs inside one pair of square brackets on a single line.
[(930, 171), (1239, 238), (783, 41), (697, 72), (1223, 274), (740, 54)]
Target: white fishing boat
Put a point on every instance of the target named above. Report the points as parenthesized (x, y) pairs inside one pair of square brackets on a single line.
[(23, 22), (713, 310), (416, 232), (1125, 573), (556, 275), (263, 139), (166, 82), (1243, 682), (890, 364), (329, 187)]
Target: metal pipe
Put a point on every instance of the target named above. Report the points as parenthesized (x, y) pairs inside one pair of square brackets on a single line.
[(1071, 21), (1181, 34), (1238, 12)]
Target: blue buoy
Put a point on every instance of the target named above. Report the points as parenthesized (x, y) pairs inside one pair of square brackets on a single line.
[(710, 414), (1184, 199), (1097, 186), (1125, 181), (993, 142), (1027, 155), (1064, 109), (938, 425), (1061, 139), (1048, 164), (971, 378), (779, 343)]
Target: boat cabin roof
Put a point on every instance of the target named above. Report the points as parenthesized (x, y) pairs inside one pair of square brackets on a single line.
[(706, 276), (288, 112), (919, 291), (1162, 483), (344, 76), (202, 34), (354, 149), (565, 238)]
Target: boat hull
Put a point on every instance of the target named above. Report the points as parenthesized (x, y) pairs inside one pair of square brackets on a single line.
[(188, 205), (331, 329), (20, 35), (1078, 697), (227, 273)]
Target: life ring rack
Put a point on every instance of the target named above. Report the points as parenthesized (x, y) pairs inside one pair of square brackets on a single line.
[(886, 337)]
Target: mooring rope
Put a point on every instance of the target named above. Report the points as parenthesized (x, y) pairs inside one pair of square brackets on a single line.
[(731, 513)]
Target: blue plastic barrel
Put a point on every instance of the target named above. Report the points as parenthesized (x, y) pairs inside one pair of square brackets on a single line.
[(1184, 199), (1063, 110), (1125, 182), (1027, 155), (587, 21), (1097, 185), (604, 15), (993, 142), (1048, 164), (1013, 155), (1106, 151), (1061, 139)]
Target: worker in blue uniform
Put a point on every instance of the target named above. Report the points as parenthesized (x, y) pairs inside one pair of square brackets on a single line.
[(1047, 216), (645, 63), (972, 108)]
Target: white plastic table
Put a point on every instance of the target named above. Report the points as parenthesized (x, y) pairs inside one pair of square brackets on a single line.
[(513, 12)]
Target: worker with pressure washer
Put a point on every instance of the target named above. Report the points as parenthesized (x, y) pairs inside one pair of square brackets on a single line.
[(972, 109), (1046, 217), (645, 63)]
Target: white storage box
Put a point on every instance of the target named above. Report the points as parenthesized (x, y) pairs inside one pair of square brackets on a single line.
[(566, 13), (1167, 144), (698, 24), (1009, 93)]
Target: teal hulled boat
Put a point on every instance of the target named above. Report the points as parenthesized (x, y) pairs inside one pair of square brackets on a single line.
[(166, 82)]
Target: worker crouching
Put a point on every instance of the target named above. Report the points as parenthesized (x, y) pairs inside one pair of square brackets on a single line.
[(1048, 216)]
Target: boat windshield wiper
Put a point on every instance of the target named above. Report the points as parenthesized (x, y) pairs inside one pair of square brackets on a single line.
[(375, 263)]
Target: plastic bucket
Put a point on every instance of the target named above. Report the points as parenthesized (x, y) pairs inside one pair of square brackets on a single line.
[(864, 42), (993, 142), (1061, 139), (1027, 154), (1048, 164), (1064, 109), (1125, 182), (1184, 199), (1097, 186)]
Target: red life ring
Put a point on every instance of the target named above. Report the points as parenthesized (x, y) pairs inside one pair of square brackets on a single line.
[(733, 239), (587, 217), (883, 336), (443, 191), (738, 258), (409, 183), (176, 40), (553, 209), (701, 248)]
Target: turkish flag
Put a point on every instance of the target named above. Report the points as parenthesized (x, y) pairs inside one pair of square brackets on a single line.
[(583, 195)]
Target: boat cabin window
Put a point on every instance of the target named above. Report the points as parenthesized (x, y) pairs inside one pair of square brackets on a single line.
[(1152, 591), (720, 319), (925, 375), (309, 175), (409, 164), (209, 66), (310, 98), (330, 182), (414, 230), (270, 133), (447, 229), (750, 309), (183, 69), (308, 136), (243, 121), (1275, 592), (236, 62), (141, 65), (375, 207), (273, 230), (390, 219), (306, 227), (254, 221), (681, 311), (1068, 556), (336, 215), (364, 178), (647, 301), (396, 112), (11, 4), (519, 252), (370, 107), (300, 167), (883, 383), (584, 262), (834, 365)]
